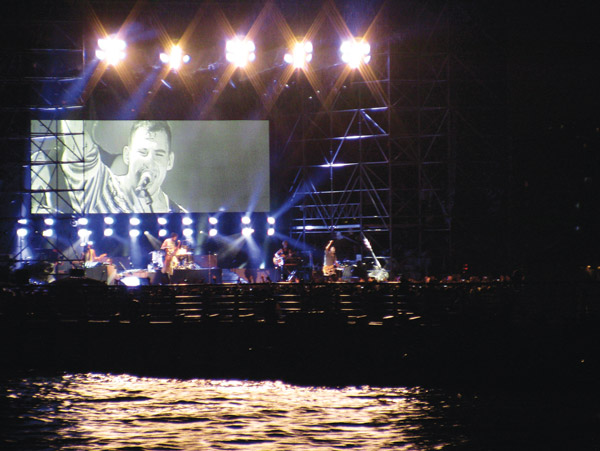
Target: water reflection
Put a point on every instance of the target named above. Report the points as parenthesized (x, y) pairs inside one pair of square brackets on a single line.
[(112, 412), (102, 411)]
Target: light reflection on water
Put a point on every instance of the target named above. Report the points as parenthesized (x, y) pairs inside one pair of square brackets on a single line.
[(101, 411), (118, 412)]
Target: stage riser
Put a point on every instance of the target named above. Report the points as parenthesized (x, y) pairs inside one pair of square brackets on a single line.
[(209, 275)]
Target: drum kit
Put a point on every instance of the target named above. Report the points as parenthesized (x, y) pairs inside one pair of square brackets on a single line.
[(184, 259)]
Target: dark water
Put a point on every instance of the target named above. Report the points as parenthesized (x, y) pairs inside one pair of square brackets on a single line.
[(105, 411)]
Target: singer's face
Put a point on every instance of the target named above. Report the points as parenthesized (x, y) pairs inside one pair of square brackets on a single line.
[(148, 153)]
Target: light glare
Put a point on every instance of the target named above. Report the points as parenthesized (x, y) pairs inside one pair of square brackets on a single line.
[(240, 52), (111, 50), (355, 52), (300, 55)]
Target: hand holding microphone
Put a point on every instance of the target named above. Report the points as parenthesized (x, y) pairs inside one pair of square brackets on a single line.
[(142, 185)]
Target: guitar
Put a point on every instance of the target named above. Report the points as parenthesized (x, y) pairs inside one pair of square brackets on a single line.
[(278, 260), (378, 272)]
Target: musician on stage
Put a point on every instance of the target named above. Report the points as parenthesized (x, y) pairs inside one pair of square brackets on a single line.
[(90, 259), (330, 262), (282, 259), (171, 245)]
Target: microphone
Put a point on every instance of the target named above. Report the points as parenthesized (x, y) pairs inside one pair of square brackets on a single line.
[(145, 180)]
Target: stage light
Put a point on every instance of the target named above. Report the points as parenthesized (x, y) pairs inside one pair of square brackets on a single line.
[(108, 232), (186, 221), (134, 221), (187, 232), (134, 233), (212, 220), (240, 52), (109, 220), (270, 231), (22, 221), (111, 50), (49, 221), (245, 219), (162, 232), (162, 221), (271, 220), (355, 52), (212, 232), (22, 232), (301, 54), (130, 281), (48, 233), (84, 234), (82, 221), (247, 231), (175, 58)]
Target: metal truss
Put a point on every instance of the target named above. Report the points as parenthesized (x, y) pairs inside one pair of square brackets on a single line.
[(402, 164), (40, 82), (378, 162)]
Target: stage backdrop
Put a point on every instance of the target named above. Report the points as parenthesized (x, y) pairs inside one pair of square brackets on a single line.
[(217, 165)]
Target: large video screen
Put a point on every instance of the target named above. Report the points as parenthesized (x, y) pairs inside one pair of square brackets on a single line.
[(91, 167)]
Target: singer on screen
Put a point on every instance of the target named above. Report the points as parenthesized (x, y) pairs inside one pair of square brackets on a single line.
[(147, 156)]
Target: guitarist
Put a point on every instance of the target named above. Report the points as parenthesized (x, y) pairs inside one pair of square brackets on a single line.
[(330, 262), (171, 245), (282, 256)]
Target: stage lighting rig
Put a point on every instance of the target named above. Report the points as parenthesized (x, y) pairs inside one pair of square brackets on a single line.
[(301, 55), (355, 52), (240, 52), (111, 50), (175, 58)]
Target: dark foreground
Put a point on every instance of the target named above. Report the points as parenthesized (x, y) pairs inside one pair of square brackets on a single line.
[(491, 334)]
